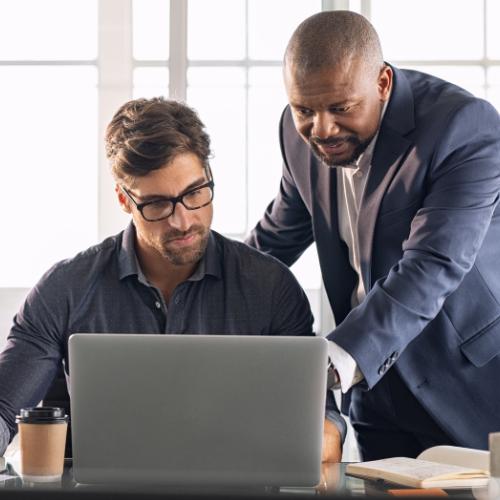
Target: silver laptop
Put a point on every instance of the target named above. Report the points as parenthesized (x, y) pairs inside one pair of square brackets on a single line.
[(197, 410)]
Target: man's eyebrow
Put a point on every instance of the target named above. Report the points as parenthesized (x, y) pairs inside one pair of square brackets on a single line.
[(152, 197)]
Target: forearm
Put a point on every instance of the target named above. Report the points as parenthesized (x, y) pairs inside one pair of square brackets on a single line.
[(336, 419), (332, 443), (27, 369), (333, 415)]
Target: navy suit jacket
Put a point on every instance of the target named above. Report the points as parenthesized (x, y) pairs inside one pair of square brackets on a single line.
[(429, 238)]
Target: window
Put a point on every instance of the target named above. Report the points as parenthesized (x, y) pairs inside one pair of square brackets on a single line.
[(460, 42), (48, 134)]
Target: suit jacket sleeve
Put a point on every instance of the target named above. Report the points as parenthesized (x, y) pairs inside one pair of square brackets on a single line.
[(461, 192)]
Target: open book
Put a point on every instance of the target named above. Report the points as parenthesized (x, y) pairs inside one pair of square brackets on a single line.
[(438, 467)]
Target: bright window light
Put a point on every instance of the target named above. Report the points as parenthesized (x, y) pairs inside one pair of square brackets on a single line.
[(48, 30), (150, 21), (429, 30), (48, 153), (150, 82), (223, 37), (276, 17)]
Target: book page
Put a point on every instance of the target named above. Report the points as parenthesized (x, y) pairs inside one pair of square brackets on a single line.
[(409, 468), (461, 457)]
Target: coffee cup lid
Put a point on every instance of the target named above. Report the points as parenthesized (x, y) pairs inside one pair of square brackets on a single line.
[(42, 415)]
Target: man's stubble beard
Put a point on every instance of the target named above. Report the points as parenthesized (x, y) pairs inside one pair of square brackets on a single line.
[(183, 255), (359, 148)]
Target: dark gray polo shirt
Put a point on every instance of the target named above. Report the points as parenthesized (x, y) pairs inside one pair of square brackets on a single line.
[(235, 290)]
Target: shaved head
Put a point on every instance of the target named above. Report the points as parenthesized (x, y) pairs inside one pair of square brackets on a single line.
[(329, 39), (337, 84)]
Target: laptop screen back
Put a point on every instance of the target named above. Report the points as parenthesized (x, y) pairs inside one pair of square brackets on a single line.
[(197, 410)]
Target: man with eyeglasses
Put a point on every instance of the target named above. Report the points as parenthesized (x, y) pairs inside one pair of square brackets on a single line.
[(167, 273)]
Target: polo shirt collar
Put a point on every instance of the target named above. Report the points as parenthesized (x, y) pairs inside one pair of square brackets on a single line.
[(128, 264)]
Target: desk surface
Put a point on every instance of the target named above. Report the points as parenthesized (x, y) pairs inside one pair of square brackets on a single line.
[(334, 482)]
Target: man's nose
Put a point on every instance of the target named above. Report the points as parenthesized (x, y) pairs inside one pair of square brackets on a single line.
[(181, 218), (324, 126)]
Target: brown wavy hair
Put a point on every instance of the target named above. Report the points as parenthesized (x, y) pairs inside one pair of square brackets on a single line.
[(148, 134)]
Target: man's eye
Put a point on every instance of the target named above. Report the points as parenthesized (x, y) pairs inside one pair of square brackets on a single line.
[(341, 110), (159, 203), (304, 112), (193, 194)]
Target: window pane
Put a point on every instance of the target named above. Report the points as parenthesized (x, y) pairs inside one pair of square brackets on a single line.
[(150, 82), (493, 33), (471, 78), (48, 30), (429, 30), (307, 270), (494, 75), (216, 30), (218, 94), (271, 24), (48, 150), (355, 6), (266, 101), (494, 86), (213, 76), (151, 22)]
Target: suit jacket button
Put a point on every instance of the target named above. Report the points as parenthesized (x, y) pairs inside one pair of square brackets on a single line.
[(394, 355), (382, 369)]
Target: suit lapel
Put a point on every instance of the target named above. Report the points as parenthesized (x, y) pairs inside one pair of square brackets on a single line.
[(389, 152), (382, 170)]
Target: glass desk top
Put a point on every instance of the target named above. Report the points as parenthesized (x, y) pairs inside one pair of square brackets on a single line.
[(334, 482)]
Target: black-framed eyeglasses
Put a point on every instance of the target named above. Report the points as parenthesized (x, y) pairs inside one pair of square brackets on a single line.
[(194, 199)]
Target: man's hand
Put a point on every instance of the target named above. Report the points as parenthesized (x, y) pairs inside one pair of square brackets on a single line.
[(330, 479), (332, 443)]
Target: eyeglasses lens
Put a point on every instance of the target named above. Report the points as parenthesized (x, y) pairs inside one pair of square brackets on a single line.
[(193, 199)]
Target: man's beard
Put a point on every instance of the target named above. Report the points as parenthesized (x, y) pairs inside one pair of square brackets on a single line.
[(183, 255), (350, 162)]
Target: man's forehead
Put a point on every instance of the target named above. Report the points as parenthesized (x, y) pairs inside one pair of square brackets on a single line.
[(342, 79), (171, 180)]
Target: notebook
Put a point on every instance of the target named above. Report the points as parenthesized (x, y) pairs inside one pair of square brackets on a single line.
[(197, 410)]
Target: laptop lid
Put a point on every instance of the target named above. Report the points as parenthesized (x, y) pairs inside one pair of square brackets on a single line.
[(197, 410)]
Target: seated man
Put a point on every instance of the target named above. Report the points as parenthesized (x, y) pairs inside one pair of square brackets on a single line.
[(167, 273)]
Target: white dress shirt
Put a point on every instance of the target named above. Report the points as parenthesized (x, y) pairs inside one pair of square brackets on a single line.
[(350, 185)]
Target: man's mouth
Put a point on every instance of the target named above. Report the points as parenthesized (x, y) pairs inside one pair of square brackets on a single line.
[(183, 240), (333, 149)]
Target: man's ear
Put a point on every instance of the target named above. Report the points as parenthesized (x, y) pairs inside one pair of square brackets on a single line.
[(122, 199), (385, 83)]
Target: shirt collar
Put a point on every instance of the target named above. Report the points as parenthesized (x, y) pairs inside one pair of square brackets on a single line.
[(129, 265), (365, 159), (210, 263), (127, 261)]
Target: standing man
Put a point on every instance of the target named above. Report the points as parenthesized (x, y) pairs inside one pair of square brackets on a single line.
[(396, 176), (167, 273)]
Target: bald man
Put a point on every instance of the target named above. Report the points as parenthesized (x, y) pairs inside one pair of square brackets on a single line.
[(395, 175)]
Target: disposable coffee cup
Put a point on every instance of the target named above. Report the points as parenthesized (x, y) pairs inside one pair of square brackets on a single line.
[(42, 436)]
